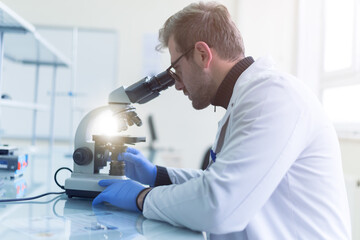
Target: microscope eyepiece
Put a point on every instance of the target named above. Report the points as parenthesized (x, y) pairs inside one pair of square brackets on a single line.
[(149, 88)]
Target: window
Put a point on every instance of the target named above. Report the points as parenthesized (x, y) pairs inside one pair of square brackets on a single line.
[(338, 34), (340, 77)]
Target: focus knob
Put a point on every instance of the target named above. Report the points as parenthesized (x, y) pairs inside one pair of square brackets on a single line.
[(82, 156)]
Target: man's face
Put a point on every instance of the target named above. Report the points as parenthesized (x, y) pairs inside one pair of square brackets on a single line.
[(193, 80)]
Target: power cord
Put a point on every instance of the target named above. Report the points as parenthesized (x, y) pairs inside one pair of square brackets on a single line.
[(41, 195), (29, 198), (62, 168)]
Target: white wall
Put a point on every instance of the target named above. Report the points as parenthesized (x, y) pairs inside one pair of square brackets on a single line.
[(270, 28)]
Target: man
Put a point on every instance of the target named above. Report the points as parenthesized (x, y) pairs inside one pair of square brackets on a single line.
[(275, 169)]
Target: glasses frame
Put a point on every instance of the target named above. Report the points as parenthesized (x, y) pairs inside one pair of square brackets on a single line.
[(172, 73)]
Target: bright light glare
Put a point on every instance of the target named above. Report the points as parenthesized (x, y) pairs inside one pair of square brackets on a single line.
[(341, 104), (106, 124), (339, 34)]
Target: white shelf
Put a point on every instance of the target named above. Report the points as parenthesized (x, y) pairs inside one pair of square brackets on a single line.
[(31, 48), (23, 105), (23, 44), (9, 20)]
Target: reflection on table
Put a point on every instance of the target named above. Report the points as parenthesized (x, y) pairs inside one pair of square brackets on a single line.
[(64, 218), (58, 217)]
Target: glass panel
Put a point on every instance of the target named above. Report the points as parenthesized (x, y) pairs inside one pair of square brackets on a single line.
[(7, 21), (10, 21), (23, 44), (342, 104), (339, 34), (31, 48)]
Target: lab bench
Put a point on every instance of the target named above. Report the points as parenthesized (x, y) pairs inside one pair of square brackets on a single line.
[(59, 217)]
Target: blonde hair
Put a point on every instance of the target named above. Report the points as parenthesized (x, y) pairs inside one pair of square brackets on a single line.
[(209, 22)]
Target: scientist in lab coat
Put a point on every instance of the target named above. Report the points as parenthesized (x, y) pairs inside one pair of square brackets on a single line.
[(275, 170)]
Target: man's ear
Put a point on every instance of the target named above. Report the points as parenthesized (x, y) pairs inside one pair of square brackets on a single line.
[(202, 54)]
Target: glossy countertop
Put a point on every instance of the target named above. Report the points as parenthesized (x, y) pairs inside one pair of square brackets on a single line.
[(59, 217)]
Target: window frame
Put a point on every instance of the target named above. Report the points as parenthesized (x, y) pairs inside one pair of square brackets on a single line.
[(345, 77)]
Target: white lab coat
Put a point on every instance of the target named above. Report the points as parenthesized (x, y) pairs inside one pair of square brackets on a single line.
[(278, 175)]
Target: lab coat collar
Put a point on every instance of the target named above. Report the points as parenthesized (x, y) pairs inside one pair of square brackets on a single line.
[(225, 90)]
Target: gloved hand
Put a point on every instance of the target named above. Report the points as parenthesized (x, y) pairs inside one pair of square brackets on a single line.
[(137, 167), (120, 193)]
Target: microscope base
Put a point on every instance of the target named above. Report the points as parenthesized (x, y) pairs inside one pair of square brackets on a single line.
[(86, 185), (81, 193)]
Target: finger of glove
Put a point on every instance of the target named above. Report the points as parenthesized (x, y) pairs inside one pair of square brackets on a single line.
[(126, 156), (99, 199), (121, 157), (129, 157), (130, 172), (107, 182), (132, 150)]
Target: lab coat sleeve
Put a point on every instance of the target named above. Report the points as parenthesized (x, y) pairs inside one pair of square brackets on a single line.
[(166, 176), (265, 135), (178, 176)]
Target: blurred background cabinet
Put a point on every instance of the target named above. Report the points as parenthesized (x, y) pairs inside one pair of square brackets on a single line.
[(21, 44), (44, 96)]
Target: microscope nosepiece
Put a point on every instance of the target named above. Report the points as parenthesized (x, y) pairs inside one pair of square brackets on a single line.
[(132, 118)]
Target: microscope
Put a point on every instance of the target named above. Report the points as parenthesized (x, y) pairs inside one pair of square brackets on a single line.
[(93, 152)]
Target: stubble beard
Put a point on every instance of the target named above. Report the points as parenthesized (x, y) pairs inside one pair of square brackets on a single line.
[(202, 98)]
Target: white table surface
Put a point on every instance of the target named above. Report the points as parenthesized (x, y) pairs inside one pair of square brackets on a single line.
[(58, 217)]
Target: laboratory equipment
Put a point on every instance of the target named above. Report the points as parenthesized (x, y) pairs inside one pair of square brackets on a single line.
[(93, 151), (12, 165)]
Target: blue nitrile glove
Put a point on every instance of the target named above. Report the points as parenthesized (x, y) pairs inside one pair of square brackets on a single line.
[(137, 167), (120, 193)]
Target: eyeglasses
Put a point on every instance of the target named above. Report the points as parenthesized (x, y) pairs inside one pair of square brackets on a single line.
[(172, 71)]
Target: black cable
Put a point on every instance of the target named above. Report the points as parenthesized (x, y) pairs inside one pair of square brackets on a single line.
[(29, 198), (38, 202), (41, 195), (62, 187)]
